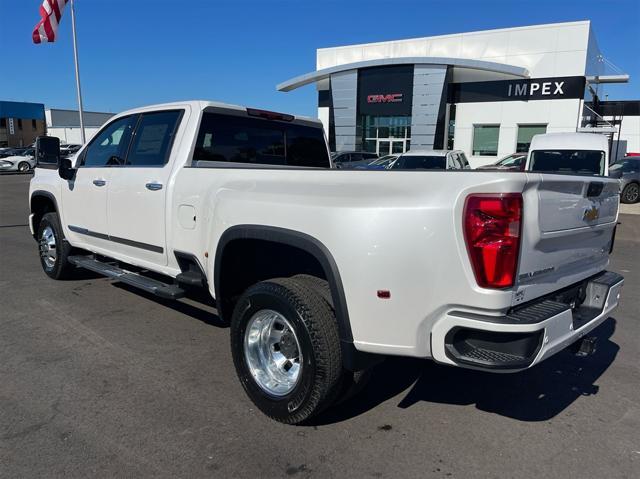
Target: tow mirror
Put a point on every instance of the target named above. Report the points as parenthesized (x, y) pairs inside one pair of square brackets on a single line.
[(47, 150)]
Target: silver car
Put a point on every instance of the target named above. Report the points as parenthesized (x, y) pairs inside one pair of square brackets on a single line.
[(628, 171), (23, 162)]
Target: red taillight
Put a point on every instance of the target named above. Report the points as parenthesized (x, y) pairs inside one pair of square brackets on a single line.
[(492, 233)]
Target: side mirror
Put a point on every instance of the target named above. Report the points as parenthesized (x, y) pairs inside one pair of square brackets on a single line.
[(47, 150), (66, 170)]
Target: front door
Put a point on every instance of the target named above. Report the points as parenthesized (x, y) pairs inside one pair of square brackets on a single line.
[(136, 206), (84, 199)]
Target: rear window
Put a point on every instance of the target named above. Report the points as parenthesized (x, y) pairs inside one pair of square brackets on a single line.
[(420, 163), (577, 162), (237, 139)]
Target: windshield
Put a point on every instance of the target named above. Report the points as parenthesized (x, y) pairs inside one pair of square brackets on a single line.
[(511, 161), (420, 163), (579, 162), (385, 160)]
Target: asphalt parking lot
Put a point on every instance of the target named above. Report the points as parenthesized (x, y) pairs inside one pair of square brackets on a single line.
[(99, 380)]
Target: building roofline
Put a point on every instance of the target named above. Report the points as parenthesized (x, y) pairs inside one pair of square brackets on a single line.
[(449, 35), (318, 75)]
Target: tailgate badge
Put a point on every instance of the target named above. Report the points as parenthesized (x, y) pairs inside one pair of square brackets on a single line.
[(591, 214)]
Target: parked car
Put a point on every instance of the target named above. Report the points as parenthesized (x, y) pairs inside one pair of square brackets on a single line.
[(23, 162), (351, 159), (569, 153), (514, 162), (431, 160), (379, 163), (627, 170), (6, 152), (69, 149), (321, 272)]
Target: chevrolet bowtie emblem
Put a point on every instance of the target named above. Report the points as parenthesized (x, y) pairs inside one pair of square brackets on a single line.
[(591, 214)]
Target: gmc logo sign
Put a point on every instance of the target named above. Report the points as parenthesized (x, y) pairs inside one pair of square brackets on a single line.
[(389, 98)]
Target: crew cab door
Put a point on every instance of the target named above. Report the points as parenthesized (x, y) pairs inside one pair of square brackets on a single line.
[(84, 199), (136, 206)]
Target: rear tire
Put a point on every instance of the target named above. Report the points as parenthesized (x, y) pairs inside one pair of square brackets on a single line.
[(53, 248), (630, 193), (307, 341), (352, 381)]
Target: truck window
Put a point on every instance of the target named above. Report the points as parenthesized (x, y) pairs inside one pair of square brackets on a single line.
[(578, 162), (306, 146), (109, 146), (239, 140), (236, 139), (153, 139)]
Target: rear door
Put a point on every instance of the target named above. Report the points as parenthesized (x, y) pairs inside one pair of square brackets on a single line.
[(568, 224), (136, 206)]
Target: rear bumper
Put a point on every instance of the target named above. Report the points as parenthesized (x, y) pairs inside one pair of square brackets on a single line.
[(527, 335)]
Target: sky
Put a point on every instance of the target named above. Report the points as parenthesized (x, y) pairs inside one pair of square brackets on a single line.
[(139, 52)]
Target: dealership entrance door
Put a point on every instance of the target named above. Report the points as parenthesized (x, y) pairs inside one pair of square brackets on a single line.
[(390, 147), (385, 135)]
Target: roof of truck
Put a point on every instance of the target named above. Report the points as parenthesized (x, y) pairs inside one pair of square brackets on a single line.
[(569, 141), (201, 105)]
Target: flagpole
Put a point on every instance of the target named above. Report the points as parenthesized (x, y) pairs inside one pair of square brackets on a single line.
[(75, 57)]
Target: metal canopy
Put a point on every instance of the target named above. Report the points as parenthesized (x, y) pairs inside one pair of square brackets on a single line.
[(313, 77)]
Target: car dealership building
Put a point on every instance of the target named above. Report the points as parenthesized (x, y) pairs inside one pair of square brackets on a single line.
[(486, 93)]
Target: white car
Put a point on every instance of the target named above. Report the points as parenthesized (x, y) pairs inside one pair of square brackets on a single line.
[(321, 272), (23, 162), (569, 153)]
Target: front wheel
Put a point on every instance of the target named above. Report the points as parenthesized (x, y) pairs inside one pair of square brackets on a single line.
[(286, 349), (23, 166), (631, 193), (54, 249)]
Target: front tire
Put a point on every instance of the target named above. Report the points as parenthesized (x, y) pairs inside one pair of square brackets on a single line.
[(23, 167), (631, 193), (286, 349), (53, 248)]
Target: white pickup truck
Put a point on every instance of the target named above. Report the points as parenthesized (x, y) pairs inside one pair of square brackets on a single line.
[(321, 271)]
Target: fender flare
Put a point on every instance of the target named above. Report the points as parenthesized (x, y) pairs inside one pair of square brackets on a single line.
[(353, 359), (45, 194), (298, 240)]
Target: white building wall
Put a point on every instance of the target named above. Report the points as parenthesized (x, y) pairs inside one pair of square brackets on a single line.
[(546, 50), (558, 115), (630, 132), (72, 135)]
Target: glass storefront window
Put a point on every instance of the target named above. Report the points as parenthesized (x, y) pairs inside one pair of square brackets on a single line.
[(485, 140), (384, 134), (525, 134)]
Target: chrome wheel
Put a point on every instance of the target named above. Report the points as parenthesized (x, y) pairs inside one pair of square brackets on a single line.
[(631, 193), (24, 166), (47, 244), (272, 352)]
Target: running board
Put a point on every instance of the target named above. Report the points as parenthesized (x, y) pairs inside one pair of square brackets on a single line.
[(164, 290)]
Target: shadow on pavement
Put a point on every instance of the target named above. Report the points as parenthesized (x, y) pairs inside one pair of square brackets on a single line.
[(203, 314), (537, 394)]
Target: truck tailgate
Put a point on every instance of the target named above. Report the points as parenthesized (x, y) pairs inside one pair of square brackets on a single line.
[(568, 225)]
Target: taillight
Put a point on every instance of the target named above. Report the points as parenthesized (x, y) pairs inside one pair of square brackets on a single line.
[(492, 233)]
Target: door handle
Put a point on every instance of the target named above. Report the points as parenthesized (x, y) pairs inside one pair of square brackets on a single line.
[(154, 186), (99, 182)]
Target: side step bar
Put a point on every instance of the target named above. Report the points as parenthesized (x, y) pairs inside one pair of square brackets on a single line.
[(164, 290)]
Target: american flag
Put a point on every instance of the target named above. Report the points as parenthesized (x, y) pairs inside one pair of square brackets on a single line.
[(51, 13)]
